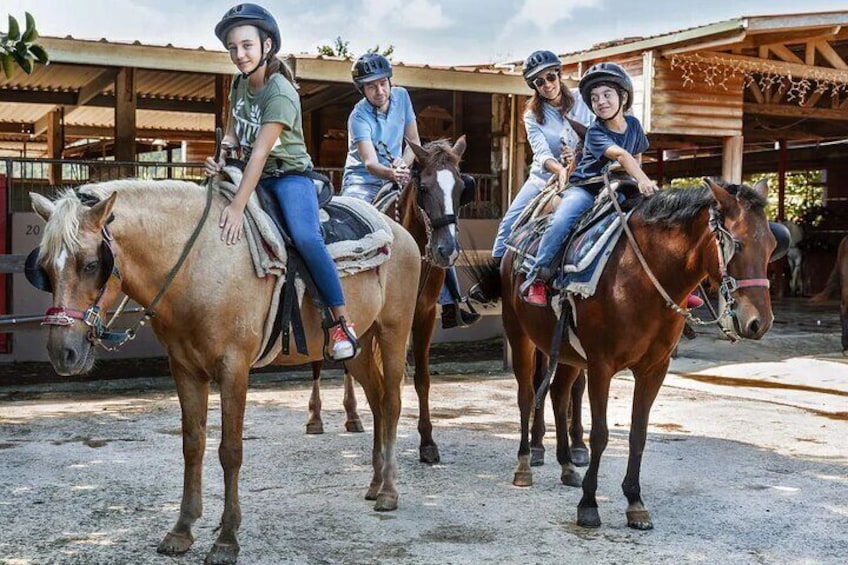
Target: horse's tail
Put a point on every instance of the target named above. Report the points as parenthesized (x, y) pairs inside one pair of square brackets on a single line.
[(486, 277), (834, 281)]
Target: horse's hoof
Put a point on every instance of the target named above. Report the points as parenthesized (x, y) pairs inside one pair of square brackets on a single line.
[(354, 426), (429, 454), (222, 554), (571, 478), (588, 518), (386, 502), (580, 456), (371, 494), (315, 427), (639, 520), (175, 544), (537, 456), (523, 479)]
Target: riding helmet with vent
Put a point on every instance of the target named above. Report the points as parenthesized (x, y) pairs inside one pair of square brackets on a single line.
[(250, 14), (370, 67), (537, 62), (606, 73)]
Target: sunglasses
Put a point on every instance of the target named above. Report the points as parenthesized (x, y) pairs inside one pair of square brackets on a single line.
[(550, 77)]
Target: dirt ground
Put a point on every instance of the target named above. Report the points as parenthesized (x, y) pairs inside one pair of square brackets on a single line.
[(746, 462)]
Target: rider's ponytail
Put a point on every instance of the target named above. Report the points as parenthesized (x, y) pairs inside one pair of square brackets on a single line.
[(277, 65)]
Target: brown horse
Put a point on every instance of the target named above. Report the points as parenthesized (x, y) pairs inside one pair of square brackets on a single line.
[(837, 283), (686, 235), (211, 321), (426, 208)]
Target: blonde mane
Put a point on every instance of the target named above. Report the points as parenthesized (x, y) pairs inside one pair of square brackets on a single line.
[(62, 229)]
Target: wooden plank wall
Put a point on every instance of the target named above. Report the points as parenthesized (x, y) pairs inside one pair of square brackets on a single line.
[(693, 109)]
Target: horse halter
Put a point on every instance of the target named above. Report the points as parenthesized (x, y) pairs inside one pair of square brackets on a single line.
[(92, 316), (430, 224)]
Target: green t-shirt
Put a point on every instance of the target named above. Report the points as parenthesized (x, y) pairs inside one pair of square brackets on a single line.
[(277, 102)]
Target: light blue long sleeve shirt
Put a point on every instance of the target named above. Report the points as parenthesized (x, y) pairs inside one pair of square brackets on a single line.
[(546, 140)]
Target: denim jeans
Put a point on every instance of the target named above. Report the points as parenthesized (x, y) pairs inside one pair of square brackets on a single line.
[(451, 281), (575, 201), (531, 188), (299, 205)]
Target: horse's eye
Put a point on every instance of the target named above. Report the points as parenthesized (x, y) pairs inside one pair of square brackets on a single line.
[(91, 267), (737, 245)]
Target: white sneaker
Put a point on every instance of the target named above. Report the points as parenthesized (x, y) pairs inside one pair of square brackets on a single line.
[(343, 348)]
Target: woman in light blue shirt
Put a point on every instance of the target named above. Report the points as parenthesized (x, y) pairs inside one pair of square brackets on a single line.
[(549, 132)]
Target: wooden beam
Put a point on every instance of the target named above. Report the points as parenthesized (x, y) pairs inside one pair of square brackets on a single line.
[(96, 86), (755, 90), (794, 70), (794, 111), (830, 55), (105, 101), (330, 95), (125, 115), (55, 145), (790, 37), (810, 54), (731, 162), (76, 132), (785, 54)]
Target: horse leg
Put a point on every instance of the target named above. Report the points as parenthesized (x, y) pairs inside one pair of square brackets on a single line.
[(647, 385), (314, 425), (587, 509), (561, 386), (843, 318), (537, 431), (353, 423), (522, 365), (422, 335), (232, 381), (579, 451), (193, 393), (363, 370)]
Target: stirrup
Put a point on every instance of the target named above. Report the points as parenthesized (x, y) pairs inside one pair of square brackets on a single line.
[(341, 323)]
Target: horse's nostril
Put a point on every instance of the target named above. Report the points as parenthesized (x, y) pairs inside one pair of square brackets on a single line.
[(70, 357), (754, 327)]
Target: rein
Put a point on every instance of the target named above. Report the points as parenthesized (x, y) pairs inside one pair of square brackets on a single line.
[(93, 317), (728, 286)]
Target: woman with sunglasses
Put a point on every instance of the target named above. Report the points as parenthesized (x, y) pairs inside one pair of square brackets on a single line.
[(551, 137)]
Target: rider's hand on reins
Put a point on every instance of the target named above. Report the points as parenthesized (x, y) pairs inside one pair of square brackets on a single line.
[(400, 172), (647, 188), (232, 219), (211, 168)]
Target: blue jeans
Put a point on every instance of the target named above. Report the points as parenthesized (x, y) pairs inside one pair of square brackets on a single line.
[(299, 205), (365, 192), (575, 201), (446, 296), (528, 192)]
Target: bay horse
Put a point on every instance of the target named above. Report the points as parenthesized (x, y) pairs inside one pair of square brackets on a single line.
[(426, 208), (210, 321), (686, 235), (837, 284)]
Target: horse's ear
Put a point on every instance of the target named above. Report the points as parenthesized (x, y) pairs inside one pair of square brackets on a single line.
[(420, 152), (762, 188), (100, 214), (460, 146), (41, 205), (726, 201)]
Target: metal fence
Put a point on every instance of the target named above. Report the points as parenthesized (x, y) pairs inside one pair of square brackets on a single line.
[(49, 176)]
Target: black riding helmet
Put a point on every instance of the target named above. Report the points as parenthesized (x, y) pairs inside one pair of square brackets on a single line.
[(536, 63), (606, 73), (251, 14), (370, 67)]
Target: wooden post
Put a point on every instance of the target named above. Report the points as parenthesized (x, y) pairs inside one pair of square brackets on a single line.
[(660, 167), (783, 162), (222, 100), (731, 159), (126, 101), (458, 117), (55, 144)]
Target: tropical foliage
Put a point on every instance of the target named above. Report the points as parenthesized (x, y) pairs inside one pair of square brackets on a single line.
[(19, 47)]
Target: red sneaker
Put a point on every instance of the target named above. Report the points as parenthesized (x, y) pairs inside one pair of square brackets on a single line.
[(343, 347), (537, 294), (694, 301)]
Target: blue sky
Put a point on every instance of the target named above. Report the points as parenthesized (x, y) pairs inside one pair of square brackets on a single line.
[(422, 31)]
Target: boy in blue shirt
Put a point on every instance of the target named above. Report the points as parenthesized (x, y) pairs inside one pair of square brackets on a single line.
[(613, 138)]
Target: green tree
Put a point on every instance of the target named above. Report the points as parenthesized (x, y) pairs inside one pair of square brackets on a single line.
[(20, 48), (341, 48)]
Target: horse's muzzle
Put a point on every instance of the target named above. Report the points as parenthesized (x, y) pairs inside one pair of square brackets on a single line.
[(70, 351)]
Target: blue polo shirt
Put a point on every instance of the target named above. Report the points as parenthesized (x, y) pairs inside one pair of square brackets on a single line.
[(384, 130), (599, 139)]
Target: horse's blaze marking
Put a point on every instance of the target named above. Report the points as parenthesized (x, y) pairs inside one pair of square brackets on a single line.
[(447, 182), (61, 260)]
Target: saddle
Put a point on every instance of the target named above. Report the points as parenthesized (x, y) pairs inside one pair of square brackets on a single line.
[(583, 254)]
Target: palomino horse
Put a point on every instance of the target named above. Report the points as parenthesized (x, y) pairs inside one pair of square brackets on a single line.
[(210, 320), (837, 284), (686, 235), (426, 208)]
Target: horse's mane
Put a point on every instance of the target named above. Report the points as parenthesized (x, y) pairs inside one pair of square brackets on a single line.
[(61, 230), (677, 206), (441, 154)]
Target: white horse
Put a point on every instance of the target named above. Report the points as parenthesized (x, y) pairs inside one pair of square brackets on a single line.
[(796, 284)]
